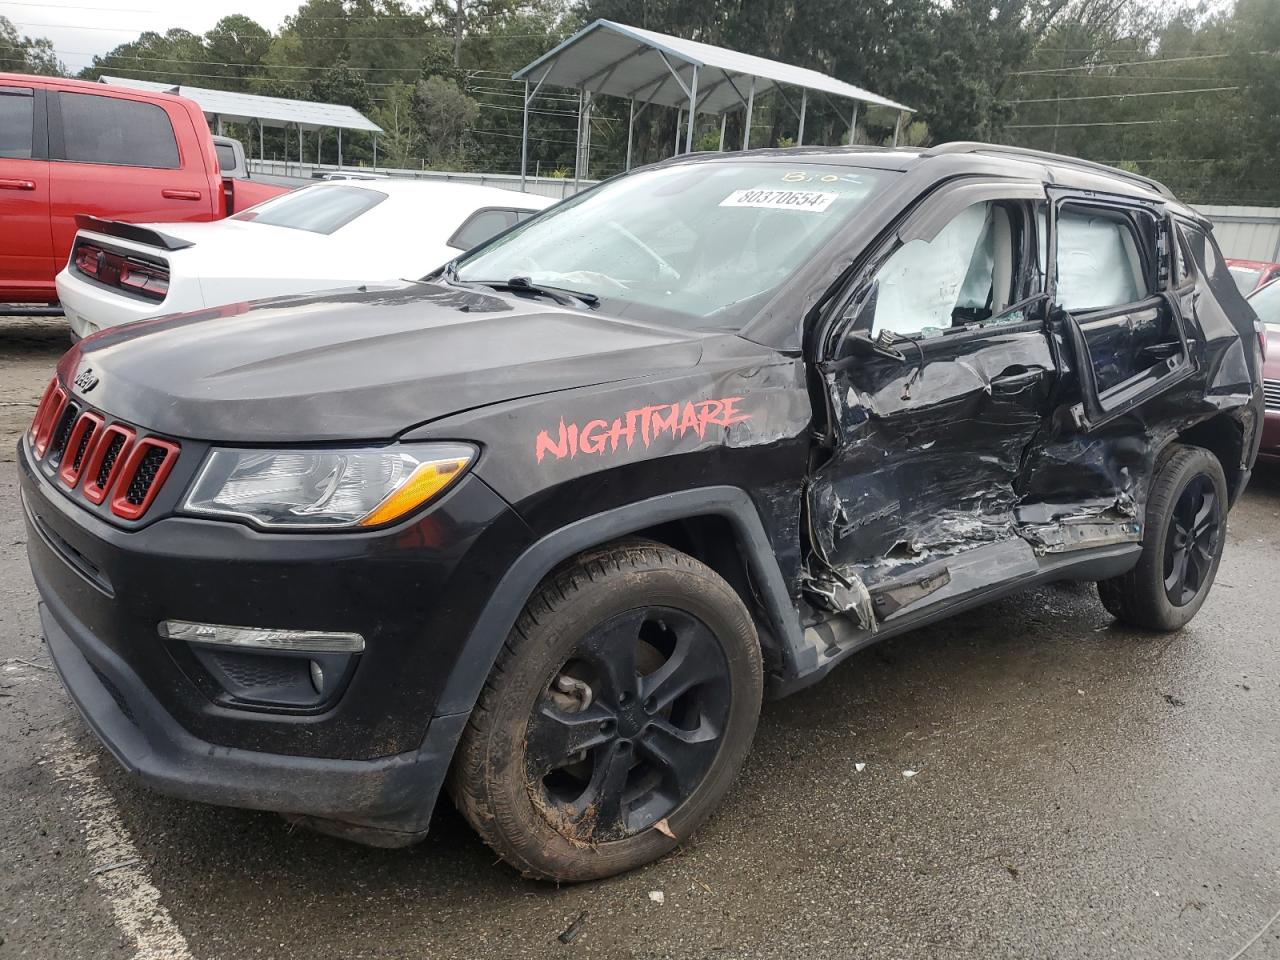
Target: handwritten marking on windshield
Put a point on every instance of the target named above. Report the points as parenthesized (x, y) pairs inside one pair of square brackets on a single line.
[(644, 425)]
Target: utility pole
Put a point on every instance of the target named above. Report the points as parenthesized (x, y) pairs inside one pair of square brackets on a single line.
[(457, 34)]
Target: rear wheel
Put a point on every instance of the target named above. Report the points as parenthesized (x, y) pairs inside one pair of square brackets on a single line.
[(1186, 526), (617, 715)]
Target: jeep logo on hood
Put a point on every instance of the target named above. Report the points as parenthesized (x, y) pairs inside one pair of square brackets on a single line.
[(86, 380)]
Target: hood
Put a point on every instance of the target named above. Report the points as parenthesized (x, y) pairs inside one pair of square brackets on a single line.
[(356, 364)]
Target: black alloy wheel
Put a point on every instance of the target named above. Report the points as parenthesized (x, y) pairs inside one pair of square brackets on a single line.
[(1183, 535), (630, 725), (616, 716), (1191, 544)]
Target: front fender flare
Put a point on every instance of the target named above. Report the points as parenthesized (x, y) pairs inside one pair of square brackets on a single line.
[(511, 592)]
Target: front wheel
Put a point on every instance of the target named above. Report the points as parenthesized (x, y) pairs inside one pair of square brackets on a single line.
[(619, 711), (1186, 530)]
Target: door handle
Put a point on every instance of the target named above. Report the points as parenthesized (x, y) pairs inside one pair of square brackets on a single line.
[(17, 184), (170, 193), (1161, 351), (1014, 382)]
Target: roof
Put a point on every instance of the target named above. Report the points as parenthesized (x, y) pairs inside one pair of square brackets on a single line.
[(622, 61), (242, 107), (963, 158)]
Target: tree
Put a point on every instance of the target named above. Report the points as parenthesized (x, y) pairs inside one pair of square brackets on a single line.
[(444, 115), (176, 57), (236, 47), (395, 116), (341, 84), (23, 54)]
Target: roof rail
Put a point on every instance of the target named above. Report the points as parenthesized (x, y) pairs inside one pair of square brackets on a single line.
[(967, 146)]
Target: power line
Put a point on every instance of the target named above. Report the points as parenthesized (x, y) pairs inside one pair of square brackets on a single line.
[(1128, 77), (1119, 123), (220, 76), (1121, 96), (1130, 63), (473, 36)]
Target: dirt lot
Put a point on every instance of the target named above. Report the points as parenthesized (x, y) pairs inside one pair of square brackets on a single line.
[(1082, 791)]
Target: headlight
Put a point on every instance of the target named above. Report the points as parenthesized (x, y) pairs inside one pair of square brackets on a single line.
[(325, 488)]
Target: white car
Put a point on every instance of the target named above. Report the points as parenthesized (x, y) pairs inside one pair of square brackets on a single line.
[(319, 237)]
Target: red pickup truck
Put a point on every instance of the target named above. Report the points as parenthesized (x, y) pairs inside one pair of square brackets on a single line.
[(69, 147)]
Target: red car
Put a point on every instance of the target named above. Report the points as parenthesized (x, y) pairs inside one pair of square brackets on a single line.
[(1266, 304), (69, 147), (1251, 275)]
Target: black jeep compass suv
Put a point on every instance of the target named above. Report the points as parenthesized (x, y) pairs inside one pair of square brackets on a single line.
[(544, 527)]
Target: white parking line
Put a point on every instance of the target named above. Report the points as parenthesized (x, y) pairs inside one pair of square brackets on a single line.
[(118, 868)]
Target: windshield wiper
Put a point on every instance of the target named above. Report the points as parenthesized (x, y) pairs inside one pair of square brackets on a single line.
[(561, 295)]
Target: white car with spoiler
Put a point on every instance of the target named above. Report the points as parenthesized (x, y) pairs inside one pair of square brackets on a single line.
[(320, 237)]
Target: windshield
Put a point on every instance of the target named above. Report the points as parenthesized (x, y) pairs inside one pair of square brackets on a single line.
[(699, 245), (1266, 304), (317, 209)]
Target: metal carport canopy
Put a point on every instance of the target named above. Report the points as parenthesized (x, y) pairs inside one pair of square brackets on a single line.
[(267, 111), (613, 59), (273, 111), (616, 60)]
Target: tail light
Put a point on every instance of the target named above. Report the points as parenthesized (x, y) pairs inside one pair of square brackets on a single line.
[(151, 282), (134, 274), (102, 460), (86, 259)]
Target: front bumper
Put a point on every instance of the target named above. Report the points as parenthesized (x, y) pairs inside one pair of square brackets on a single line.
[(387, 802), (374, 758)]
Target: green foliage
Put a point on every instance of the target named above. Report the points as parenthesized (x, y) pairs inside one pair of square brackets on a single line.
[(394, 114), (1043, 73), (444, 115), (22, 54), (1192, 99)]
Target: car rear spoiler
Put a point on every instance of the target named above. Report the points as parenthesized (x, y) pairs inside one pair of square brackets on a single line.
[(131, 231)]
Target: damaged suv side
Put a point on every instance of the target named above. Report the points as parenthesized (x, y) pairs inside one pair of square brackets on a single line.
[(545, 527)]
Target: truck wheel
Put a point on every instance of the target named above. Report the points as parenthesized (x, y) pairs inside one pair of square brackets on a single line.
[(1186, 529), (617, 715)]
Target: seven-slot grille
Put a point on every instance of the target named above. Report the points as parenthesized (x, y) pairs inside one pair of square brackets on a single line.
[(102, 460), (1271, 394)]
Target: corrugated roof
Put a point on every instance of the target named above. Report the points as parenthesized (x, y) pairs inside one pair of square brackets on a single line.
[(241, 107), (621, 61)]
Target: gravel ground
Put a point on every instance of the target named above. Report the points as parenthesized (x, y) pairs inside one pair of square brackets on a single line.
[(1082, 790)]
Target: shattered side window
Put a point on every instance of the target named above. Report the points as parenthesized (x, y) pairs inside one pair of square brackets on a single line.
[(962, 275), (1099, 261)]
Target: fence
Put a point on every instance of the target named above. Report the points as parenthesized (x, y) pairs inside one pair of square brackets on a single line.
[(1246, 233)]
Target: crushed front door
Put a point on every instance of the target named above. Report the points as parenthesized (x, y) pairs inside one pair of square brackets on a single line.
[(936, 386)]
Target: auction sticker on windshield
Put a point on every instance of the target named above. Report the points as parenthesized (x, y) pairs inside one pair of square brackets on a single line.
[(815, 201)]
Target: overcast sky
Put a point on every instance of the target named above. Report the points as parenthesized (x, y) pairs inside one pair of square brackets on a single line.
[(81, 28)]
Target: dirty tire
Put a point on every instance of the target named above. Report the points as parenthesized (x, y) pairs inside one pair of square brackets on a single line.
[(496, 780), (1142, 597)]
